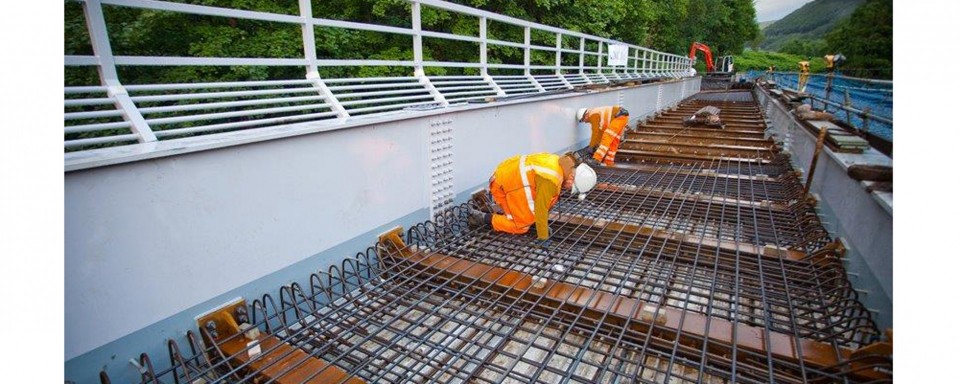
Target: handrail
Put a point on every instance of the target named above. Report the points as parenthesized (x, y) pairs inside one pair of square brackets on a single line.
[(130, 102), (865, 115), (860, 79)]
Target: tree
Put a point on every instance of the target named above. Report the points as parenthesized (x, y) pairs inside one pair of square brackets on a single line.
[(667, 25), (866, 39)]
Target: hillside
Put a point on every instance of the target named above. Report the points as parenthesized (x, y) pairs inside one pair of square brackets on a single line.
[(810, 22), (764, 24), (760, 61)]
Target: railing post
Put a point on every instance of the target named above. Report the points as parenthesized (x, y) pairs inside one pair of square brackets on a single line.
[(865, 119), (483, 45), (661, 64), (636, 62), (310, 53), (600, 58), (827, 90), (583, 52), (484, 70), (559, 62), (100, 40), (645, 65), (418, 56), (526, 51), (847, 103), (656, 64), (526, 60)]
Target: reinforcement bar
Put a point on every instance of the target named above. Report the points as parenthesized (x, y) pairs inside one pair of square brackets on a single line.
[(710, 271)]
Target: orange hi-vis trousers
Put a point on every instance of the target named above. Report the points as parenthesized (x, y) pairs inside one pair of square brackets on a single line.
[(607, 149), (513, 189)]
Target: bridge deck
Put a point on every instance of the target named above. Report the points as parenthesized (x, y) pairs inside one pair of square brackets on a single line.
[(685, 265)]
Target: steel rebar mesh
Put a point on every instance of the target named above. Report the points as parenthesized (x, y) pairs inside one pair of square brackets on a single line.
[(712, 243)]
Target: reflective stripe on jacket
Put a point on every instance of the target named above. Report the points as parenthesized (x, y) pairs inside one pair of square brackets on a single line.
[(599, 118), (513, 186), (607, 148)]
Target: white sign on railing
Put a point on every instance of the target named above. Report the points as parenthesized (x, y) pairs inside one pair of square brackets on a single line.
[(616, 54)]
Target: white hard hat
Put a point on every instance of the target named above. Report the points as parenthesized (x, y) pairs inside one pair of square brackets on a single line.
[(580, 113), (584, 179)]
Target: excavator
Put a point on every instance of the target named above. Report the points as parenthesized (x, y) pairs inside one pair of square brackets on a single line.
[(715, 78), (725, 63)]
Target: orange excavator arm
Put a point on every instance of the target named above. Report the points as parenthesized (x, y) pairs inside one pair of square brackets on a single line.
[(697, 46)]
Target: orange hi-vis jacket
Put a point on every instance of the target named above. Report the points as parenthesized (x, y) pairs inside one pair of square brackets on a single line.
[(599, 118), (514, 185), (607, 149)]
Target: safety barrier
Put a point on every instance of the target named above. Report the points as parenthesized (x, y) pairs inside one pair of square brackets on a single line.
[(866, 104), (115, 113)]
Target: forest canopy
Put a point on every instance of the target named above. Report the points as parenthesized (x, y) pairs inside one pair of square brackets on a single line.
[(666, 25)]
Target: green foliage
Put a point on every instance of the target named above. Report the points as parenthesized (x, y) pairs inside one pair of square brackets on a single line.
[(805, 47), (761, 60), (810, 22), (866, 39), (727, 26)]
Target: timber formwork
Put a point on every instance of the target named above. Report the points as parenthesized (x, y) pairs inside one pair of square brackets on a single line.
[(696, 259)]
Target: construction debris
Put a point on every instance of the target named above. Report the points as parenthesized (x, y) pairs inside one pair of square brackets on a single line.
[(708, 116), (839, 139), (870, 172), (806, 112)]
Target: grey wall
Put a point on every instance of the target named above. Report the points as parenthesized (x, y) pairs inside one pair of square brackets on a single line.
[(156, 233)]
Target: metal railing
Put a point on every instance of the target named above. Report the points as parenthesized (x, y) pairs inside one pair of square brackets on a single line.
[(834, 97), (116, 113)]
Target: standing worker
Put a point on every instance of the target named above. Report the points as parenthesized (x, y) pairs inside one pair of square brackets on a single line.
[(526, 187), (598, 118), (804, 75), (606, 148)]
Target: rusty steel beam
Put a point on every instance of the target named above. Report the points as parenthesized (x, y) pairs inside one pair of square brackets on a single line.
[(265, 357), (729, 131), (708, 244), (733, 202), (685, 171), (691, 328), (712, 150), (782, 189), (684, 158), (686, 138)]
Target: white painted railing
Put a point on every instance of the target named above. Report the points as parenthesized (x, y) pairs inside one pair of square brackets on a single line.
[(116, 113)]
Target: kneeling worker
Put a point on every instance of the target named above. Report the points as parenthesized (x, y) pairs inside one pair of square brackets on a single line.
[(606, 128), (527, 186)]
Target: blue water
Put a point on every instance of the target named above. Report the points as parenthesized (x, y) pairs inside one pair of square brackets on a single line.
[(877, 97)]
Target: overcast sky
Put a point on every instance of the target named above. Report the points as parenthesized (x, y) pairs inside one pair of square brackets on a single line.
[(775, 9)]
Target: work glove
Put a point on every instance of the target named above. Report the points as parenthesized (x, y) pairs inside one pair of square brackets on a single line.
[(544, 243), (477, 218)]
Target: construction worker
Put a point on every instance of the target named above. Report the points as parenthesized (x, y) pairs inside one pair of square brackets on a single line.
[(525, 187), (606, 148), (834, 61), (804, 75), (598, 118)]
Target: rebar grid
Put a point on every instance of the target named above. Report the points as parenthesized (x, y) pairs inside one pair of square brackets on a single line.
[(636, 285)]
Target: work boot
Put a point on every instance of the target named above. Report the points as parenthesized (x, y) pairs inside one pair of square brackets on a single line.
[(477, 219)]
